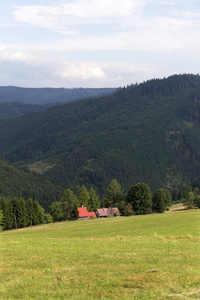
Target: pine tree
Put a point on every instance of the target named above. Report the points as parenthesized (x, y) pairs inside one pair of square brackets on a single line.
[(114, 194), (8, 217), (93, 202), (68, 200), (83, 196)]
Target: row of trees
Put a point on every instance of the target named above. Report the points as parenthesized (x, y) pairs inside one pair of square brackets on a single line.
[(17, 213), (137, 201), (66, 208)]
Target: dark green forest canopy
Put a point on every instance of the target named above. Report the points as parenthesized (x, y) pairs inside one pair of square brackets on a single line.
[(146, 132), (16, 182), (16, 109)]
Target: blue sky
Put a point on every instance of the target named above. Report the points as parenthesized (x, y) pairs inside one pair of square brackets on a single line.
[(97, 43)]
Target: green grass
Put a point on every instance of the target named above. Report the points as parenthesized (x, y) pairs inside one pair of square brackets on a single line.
[(141, 257)]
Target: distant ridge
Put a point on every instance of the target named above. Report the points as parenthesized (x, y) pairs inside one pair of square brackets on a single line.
[(43, 96)]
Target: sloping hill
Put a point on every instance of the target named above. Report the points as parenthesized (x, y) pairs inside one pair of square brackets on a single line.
[(16, 101), (16, 182), (16, 109), (143, 133)]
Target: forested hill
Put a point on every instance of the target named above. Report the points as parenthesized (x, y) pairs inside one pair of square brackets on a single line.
[(16, 109), (49, 95), (148, 132), (16, 182)]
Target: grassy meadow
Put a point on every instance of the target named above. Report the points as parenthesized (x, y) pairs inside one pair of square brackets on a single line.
[(141, 257)]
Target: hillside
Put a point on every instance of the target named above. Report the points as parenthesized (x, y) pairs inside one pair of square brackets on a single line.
[(16, 109), (16, 182), (147, 132), (16, 101)]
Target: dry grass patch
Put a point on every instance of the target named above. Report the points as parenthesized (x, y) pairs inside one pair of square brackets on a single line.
[(177, 207)]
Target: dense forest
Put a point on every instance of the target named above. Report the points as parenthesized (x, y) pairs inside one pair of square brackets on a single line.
[(15, 101), (16, 183), (16, 109), (147, 132)]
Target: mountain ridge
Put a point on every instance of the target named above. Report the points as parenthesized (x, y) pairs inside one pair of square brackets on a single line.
[(146, 132), (49, 95)]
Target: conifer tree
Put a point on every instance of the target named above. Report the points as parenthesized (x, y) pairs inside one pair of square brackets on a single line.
[(68, 200), (8, 217), (83, 196), (93, 202), (114, 194)]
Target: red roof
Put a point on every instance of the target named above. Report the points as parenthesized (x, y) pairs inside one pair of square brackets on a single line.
[(102, 212), (83, 213), (91, 214), (114, 210)]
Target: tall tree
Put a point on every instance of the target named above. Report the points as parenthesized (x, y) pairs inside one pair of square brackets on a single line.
[(162, 200), (8, 217), (35, 213), (83, 196), (93, 202), (68, 200), (56, 211), (19, 212), (114, 194), (139, 196)]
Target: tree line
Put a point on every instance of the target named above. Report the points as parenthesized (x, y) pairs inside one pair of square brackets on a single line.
[(17, 213)]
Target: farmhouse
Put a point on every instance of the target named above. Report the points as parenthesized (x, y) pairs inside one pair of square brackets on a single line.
[(84, 214), (107, 212)]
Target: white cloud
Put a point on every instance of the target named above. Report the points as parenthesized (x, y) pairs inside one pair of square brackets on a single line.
[(159, 35), (76, 12), (129, 28), (57, 71), (90, 31)]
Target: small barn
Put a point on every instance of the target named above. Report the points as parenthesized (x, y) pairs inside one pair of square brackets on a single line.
[(102, 213), (107, 212), (84, 214)]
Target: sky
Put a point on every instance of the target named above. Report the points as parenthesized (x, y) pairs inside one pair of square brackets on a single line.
[(97, 43)]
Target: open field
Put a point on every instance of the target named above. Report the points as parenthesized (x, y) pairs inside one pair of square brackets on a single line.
[(141, 257)]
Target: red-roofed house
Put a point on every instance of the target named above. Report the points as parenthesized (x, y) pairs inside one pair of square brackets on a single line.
[(91, 215), (84, 214), (102, 212), (107, 212)]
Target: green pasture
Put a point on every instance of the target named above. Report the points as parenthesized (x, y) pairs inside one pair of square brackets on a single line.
[(141, 257)]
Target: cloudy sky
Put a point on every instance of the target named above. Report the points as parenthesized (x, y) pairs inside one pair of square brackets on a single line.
[(97, 43)]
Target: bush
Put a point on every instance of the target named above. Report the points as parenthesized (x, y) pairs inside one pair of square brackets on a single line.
[(128, 210)]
